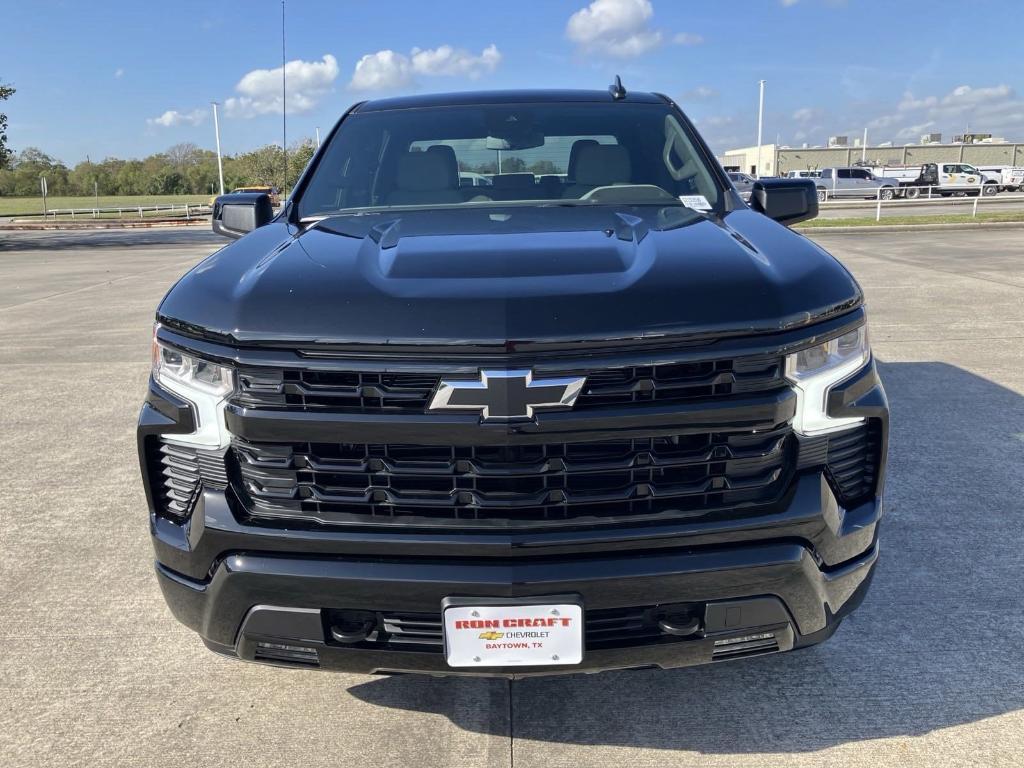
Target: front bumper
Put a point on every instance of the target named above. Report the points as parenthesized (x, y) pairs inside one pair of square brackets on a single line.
[(784, 578), (273, 601)]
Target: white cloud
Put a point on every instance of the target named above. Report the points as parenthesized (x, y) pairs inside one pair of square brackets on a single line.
[(389, 70), (700, 93), (260, 90), (455, 62), (687, 38), (381, 71), (806, 114), (915, 131), (119, 73), (994, 109), (173, 117), (619, 28)]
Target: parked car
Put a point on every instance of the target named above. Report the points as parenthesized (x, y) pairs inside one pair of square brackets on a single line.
[(803, 174), (850, 182), (626, 421), (472, 179), (743, 182)]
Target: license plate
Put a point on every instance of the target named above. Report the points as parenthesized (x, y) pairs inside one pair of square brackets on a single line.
[(513, 635)]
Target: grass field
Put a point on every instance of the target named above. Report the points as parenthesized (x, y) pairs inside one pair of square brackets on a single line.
[(946, 218), (20, 206)]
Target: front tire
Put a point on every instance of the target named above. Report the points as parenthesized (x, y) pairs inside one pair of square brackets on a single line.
[(887, 193), (989, 190), (822, 195), (912, 193)]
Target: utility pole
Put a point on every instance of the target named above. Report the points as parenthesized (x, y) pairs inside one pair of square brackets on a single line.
[(284, 102), (318, 137), (864, 146), (220, 162), (760, 126)]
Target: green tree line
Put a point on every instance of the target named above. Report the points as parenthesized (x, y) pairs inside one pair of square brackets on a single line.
[(180, 170)]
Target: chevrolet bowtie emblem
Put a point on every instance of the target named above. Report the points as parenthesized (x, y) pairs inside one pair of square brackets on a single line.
[(506, 395)]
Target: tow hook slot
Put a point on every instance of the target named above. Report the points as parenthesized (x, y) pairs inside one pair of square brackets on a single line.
[(351, 627), (680, 626)]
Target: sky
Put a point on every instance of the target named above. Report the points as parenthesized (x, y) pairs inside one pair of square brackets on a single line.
[(128, 79)]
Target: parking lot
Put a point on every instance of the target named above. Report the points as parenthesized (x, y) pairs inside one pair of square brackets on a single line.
[(95, 671)]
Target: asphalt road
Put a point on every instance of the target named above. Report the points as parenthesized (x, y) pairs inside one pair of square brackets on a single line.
[(95, 672)]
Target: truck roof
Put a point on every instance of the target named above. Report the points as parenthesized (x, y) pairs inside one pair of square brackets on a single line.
[(467, 98)]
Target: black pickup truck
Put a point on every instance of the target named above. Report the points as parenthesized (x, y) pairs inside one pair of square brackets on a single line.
[(515, 383)]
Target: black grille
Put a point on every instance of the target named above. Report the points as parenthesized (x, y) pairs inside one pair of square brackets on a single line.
[(678, 382), (610, 481), (362, 392), (852, 462), (604, 628), (180, 471)]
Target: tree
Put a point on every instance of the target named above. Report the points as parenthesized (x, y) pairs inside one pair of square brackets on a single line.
[(543, 168), (6, 92), (513, 164), (183, 155), (299, 156), (181, 169), (262, 167), (30, 165)]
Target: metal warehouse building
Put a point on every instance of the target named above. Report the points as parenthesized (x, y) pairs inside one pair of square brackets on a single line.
[(776, 160)]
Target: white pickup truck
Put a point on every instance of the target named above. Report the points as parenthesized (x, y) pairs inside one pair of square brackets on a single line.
[(1009, 178), (943, 179), (851, 181)]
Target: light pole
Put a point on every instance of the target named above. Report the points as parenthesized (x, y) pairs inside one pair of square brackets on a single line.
[(760, 126), (318, 137), (284, 103), (864, 146), (220, 162)]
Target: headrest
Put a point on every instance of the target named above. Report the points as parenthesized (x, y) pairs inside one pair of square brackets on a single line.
[(600, 165), (422, 171), (448, 154), (574, 155)]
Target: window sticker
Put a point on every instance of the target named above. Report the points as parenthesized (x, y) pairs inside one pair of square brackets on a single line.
[(696, 202)]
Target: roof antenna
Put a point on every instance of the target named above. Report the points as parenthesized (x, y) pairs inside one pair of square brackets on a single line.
[(616, 89)]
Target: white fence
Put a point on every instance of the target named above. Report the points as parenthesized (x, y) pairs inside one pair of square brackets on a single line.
[(188, 210), (921, 196)]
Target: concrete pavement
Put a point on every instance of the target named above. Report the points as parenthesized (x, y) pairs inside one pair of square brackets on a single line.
[(95, 672)]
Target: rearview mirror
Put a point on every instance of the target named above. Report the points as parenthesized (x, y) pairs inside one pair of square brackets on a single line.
[(788, 201), (239, 213)]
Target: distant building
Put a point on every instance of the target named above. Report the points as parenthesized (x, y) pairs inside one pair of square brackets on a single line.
[(745, 160), (776, 160)]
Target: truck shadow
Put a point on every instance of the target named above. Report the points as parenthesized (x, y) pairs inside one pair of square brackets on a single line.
[(64, 239), (937, 643)]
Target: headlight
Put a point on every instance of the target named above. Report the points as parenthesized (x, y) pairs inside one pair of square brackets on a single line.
[(815, 370), (204, 384)]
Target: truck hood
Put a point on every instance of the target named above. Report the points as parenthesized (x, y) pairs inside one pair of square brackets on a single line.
[(500, 276)]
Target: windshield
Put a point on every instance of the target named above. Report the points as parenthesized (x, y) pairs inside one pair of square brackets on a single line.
[(510, 154)]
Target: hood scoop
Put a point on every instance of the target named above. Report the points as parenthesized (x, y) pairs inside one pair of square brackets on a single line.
[(390, 254)]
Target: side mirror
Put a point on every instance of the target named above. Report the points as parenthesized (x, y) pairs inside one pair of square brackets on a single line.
[(239, 213), (788, 201)]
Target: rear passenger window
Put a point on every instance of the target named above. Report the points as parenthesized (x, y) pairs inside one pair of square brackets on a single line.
[(844, 173), (554, 158)]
